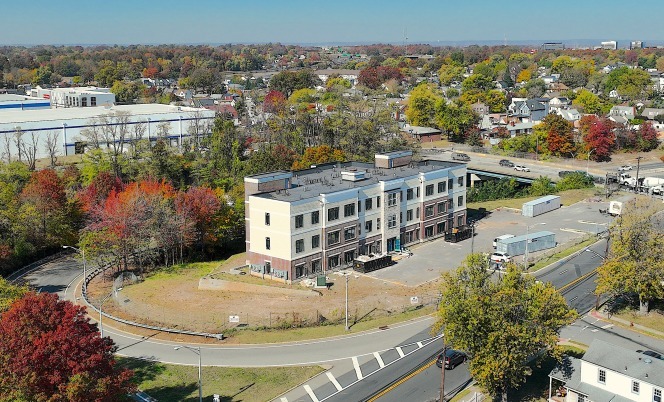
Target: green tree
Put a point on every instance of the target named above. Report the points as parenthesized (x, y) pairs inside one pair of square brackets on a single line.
[(542, 186), (422, 105), (477, 81), (10, 293), (107, 74), (501, 324), (535, 88), (496, 100), (589, 102), (127, 92), (633, 267), (450, 72)]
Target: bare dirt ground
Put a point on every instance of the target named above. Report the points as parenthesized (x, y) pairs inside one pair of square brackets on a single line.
[(172, 298)]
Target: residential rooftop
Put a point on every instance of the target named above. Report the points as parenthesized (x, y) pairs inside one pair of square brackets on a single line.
[(327, 178)]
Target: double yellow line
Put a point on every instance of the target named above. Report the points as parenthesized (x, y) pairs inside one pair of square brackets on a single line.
[(577, 280), (401, 381)]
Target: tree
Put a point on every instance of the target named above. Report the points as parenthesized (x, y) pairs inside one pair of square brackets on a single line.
[(127, 92), (9, 294), (559, 134), (422, 105), (46, 193), (501, 324), (598, 136), (107, 74), (274, 102), (535, 88), (49, 351), (200, 205), (450, 72), (629, 82), (632, 266), (288, 82), (477, 81), (318, 155), (374, 77), (646, 137), (589, 102)]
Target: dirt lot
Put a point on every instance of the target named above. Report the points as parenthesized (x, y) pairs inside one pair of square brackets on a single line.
[(172, 298)]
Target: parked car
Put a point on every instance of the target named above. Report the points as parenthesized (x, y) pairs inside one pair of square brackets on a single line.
[(500, 257), (506, 163), (452, 359), (458, 156), (521, 168), (625, 168), (651, 354)]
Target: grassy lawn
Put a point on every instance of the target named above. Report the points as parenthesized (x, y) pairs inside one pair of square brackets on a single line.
[(562, 254), (568, 197), (169, 382), (437, 144), (654, 320), (297, 334)]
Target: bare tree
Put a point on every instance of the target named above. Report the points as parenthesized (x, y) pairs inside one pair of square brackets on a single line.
[(138, 130), (29, 150), (93, 133), (8, 147), (52, 147), (163, 130), (114, 130), (18, 141), (199, 126)]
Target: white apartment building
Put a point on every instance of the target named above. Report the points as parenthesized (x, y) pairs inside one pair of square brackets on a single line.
[(75, 97), (315, 220), (608, 372)]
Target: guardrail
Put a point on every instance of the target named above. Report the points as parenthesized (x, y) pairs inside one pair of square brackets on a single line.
[(91, 275)]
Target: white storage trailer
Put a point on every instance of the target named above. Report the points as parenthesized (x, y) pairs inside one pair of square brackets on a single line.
[(536, 241), (540, 206)]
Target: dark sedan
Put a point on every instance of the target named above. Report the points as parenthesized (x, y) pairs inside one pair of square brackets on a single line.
[(452, 359)]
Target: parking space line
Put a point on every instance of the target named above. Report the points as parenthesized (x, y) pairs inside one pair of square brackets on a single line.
[(311, 393), (334, 381), (400, 352), (379, 359), (358, 371)]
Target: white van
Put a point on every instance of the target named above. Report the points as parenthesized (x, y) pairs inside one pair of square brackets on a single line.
[(503, 237)]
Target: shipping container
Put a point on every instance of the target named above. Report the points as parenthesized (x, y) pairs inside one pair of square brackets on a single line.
[(365, 263), (536, 241), (540, 206)]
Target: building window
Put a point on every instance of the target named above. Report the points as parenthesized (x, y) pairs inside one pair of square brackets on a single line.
[(580, 398), (349, 256), (315, 266), (378, 224), (93, 101), (333, 214), (349, 233), (333, 261), (657, 395), (460, 181), (636, 387), (299, 221), (409, 194), (400, 196), (267, 219), (315, 241), (267, 243), (368, 226), (459, 220), (450, 204), (333, 238), (392, 221), (417, 213), (428, 211), (460, 201), (84, 102), (601, 377), (441, 207), (349, 210), (409, 215), (400, 217), (450, 184), (391, 199), (268, 267), (367, 204), (441, 227), (428, 231), (442, 187), (300, 271), (315, 217), (359, 207), (378, 202), (429, 190), (299, 246)]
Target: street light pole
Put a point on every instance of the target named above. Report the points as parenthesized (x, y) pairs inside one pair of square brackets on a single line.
[(196, 350), (82, 252), (528, 240)]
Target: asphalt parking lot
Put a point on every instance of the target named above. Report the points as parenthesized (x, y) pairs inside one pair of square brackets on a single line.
[(429, 260)]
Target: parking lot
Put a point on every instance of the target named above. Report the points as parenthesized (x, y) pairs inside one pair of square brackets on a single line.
[(570, 224)]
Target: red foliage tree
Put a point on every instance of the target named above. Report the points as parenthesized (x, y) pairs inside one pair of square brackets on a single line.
[(560, 137), (373, 77), (600, 139), (647, 137), (199, 205), (274, 102), (49, 351), (46, 192), (93, 196)]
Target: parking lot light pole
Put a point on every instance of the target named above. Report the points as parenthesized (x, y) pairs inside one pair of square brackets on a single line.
[(196, 350), (82, 252), (528, 227)]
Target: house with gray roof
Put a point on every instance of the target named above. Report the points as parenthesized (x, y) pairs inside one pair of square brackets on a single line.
[(650, 113), (532, 110), (607, 373), (622, 114)]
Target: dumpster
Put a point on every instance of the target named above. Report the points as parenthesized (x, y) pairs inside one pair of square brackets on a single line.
[(461, 233), (536, 241), (540, 206), (368, 263)]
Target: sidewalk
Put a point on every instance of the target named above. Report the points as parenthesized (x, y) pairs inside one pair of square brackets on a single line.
[(635, 327)]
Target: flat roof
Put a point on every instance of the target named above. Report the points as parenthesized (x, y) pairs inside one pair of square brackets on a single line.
[(21, 116), (18, 98), (326, 178)]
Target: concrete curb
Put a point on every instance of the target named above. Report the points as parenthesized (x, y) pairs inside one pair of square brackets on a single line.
[(605, 316)]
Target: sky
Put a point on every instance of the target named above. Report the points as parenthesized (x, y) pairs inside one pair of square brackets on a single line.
[(325, 22)]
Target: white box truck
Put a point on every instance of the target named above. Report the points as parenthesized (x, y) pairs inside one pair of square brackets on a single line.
[(503, 237), (615, 208)]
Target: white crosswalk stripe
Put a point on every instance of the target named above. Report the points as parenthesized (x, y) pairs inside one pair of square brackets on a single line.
[(334, 381), (358, 371), (311, 393), (400, 352), (379, 359)]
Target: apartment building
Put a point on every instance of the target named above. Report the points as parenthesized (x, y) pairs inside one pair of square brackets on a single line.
[(608, 372), (315, 220)]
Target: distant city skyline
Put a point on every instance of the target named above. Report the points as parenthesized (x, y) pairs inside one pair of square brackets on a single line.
[(324, 22)]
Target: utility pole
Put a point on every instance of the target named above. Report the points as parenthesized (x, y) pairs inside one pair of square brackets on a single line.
[(442, 373), (638, 166)]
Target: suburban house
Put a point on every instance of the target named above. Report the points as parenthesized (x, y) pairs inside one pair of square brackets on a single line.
[(480, 108), (301, 223), (622, 114), (607, 372), (650, 113), (423, 134), (515, 129), (350, 75), (571, 115), (529, 109), (559, 102)]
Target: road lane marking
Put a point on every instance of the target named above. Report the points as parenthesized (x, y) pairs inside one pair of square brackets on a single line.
[(358, 371), (607, 326), (594, 330), (311, 393), (400, 351), (419, 345), (379, 359), (334, 381), (283, 400), (401, 381), (584, 328)]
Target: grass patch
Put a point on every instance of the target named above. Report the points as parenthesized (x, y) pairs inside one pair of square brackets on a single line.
[(170, 382), (536, 387), (436, 144), (459, 397), (654, 320), (195, 269), (568, 197), (324, 331), (562, 254)]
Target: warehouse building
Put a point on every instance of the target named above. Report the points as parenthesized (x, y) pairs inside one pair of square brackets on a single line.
[(75, 97), (316, 220), (22, 102), (74, 129)]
